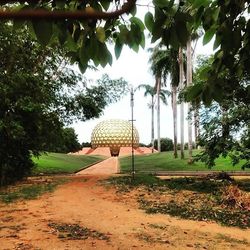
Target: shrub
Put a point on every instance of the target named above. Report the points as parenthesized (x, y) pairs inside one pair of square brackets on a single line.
[(166, 144)]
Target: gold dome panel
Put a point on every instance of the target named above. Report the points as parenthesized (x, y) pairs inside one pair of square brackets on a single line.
[(114, 134)]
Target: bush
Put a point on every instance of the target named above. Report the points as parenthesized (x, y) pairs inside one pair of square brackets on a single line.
[(166, 144)]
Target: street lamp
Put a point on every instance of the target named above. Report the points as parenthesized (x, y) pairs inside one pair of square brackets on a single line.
[(132, 134)]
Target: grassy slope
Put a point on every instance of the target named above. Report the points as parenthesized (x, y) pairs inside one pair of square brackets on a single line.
[(52, 163), (166, 162)]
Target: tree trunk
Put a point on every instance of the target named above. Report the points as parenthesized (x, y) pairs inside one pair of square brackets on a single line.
[(189, 83), (174, 108), (158, 85), (181, 84), (196, 124), (152, 124)]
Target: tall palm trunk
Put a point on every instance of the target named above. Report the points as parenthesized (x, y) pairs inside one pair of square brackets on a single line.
[(189, 83), (152, 124), (196, 124), (174, 108), (158, 86), (181, 84)]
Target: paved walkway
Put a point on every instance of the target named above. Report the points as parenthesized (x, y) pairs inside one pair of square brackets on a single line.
[(106, 167)]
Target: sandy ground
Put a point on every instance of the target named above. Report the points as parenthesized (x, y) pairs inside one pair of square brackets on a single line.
[(83, 201)]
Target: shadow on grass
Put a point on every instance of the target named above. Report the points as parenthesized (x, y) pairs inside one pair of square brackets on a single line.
[(32, 191)]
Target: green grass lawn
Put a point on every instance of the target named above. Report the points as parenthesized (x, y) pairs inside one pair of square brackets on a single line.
[(165, 162), (56, 163)]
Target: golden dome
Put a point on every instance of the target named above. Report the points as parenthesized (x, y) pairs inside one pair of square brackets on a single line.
[(114, 134)]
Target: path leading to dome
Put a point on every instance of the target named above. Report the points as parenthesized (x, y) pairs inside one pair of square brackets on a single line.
[(114, 218), (107, 167)]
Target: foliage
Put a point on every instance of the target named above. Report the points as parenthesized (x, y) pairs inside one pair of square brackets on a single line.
[(170, 23), (166, 162), (225, 131), (86, 144), (189, 198), (226, 217), (55, 163), (224, 125), (39, 94), (164, 62), (166, 144), (65, 142), (86, 39)]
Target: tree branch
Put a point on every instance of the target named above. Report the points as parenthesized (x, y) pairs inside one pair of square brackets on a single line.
[(56, 15)]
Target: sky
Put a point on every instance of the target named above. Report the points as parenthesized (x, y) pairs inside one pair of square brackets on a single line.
[(134, 68)]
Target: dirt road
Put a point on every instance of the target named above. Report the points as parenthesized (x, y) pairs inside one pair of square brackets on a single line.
[(83, 201), (83, 214)]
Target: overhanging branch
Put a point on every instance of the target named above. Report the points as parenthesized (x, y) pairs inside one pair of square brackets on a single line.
[(59, 15)]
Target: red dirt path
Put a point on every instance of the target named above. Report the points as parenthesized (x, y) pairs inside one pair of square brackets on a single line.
[(83, 201), (106, 167)]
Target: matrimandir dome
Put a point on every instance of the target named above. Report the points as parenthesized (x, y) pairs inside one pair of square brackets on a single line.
[(114, 134)]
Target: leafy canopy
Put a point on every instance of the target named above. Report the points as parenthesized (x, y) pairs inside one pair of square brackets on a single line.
[(39, 94)]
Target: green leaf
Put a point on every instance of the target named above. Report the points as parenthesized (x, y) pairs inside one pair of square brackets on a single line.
[(135, 34), (217, 42), (105, 4), (105, 56), (208, 35), (70, 43), (206, 95), (118, 48), (149, 21), (84, 53), (43, 30), (138, 22), (135, 47), (82, 67), (156, 33), (123, 35), (93, 48), (100, 34), (204, 73), (133, 11), (142, 41), (194, 92), (216, 14), (161, 3)]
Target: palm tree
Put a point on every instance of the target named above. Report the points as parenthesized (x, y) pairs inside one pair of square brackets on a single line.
[(151, 91), (174, 74), (189, 83), (181, 84), (160, 68), (164, 61)]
